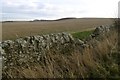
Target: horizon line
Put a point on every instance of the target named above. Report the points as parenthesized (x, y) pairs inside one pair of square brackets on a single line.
[(56, 19)]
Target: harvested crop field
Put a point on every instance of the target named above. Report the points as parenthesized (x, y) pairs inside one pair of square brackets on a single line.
[(13, 30)]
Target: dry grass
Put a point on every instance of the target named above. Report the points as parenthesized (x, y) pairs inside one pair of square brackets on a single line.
[(12, 30), (0, 68), (92, 62)]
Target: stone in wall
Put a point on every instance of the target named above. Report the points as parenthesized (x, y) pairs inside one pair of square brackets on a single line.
[(102, 30), (99, 33)]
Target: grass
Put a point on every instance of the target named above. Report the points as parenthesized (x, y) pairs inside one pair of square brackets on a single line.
[(0, 68), (82, 35)]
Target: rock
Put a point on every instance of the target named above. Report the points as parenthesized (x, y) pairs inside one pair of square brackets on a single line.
[(80, 42), (102, 30)]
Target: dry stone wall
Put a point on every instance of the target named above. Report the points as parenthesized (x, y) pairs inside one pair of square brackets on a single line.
[(31, 49)]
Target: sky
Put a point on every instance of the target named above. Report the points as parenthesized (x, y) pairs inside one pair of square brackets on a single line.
[(55, 9)]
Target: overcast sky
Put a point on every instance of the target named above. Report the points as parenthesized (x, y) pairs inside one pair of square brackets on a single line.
[(54, 9)]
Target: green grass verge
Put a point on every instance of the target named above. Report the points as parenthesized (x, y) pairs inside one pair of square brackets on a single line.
[(82, 35)]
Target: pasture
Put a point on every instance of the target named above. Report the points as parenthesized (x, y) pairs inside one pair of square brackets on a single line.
[(13, 30)]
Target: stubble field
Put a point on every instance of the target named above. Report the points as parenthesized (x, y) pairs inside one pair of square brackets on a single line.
[(13, 30)]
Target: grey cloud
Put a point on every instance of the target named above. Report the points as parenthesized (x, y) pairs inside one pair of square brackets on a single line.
[(20, 8)]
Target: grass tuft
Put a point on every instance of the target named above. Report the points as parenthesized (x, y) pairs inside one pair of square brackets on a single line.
[(82, 35)]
